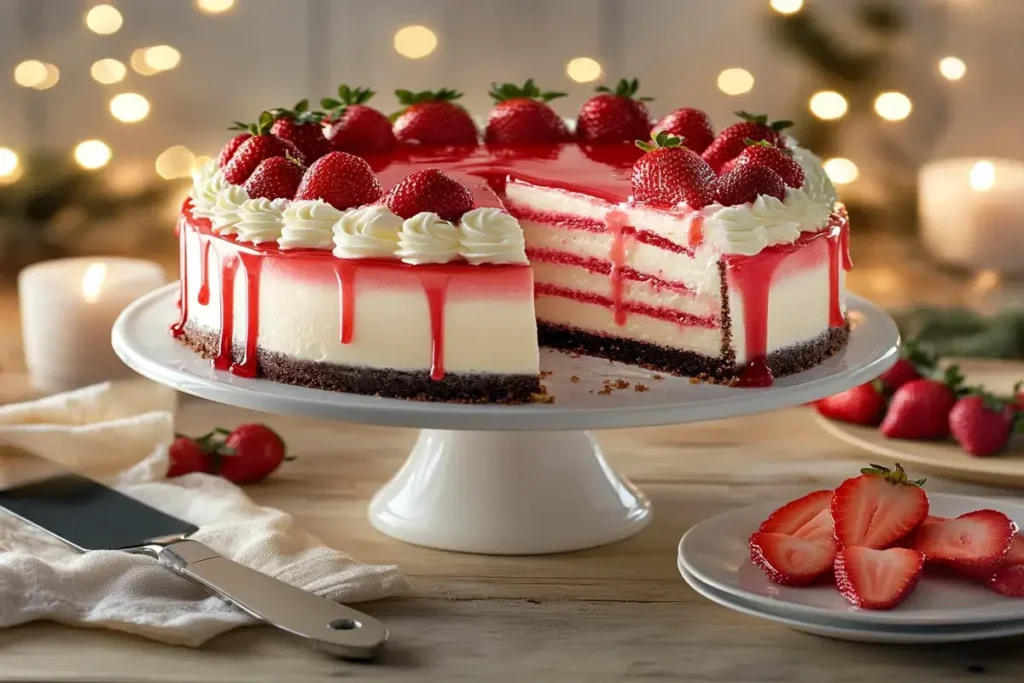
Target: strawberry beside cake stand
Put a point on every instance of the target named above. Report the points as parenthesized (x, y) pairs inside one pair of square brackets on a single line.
[(509, 480)]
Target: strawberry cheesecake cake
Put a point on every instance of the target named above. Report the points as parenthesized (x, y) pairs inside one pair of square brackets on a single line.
[(419, 257)]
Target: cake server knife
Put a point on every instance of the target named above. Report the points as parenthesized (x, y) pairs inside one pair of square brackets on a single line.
[(89, 516)]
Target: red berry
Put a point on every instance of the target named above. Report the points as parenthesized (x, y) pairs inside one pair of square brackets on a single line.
[(308, 137), (878, 508), (744, 184), (616, 116), (230, 147), (919, 410), (862, 405), (261, 145), (433, 118), (187, 456), (692, 125), (731, 142), (430, 190), (981, 424), (1008, 581), (274, 178), (807, 517), (900, 373), (877, 579), (670, 174), (775, 158), (979, 539), (355, 127), (522, 116), (791, 561), (342, 180), (255, 452)]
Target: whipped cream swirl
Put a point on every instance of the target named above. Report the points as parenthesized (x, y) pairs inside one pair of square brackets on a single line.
[(308, 224), (260, 220), (367, 232), (207, 183), (426, 238), (817, 184), (225, 212), (489, 235)]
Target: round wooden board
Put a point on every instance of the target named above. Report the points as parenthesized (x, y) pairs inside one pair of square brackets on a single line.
[(946, 458)]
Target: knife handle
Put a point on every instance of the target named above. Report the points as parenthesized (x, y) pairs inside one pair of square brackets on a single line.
[(332, 627)]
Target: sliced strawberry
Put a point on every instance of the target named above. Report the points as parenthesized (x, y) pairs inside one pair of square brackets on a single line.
[(807, 517), (877, 579), (791, 561), (342, 180), (1008, 581), (878, 508), (979, 539), (670, 174), (862, 405)]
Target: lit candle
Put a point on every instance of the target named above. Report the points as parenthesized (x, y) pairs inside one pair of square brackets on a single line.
[(68, 307), (972, 212)]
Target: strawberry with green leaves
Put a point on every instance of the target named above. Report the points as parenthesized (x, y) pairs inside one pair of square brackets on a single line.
[(780, 160), (920, 408), (232, 145), (261, 144), (731, 142), (878, 508), (670, 174), (522, 116), (433, 118), (914, 362), (355, 127), (982, 423), (692, 125), (301, 126), (615, 115)]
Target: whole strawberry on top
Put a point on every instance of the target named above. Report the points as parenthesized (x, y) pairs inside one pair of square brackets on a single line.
[(353, 126), (779, 160), (692, 125), (342, 180), (262, 144), (670, 174), (521, 115), (745, 184), (433, 118), (302, 127), (232, 145), (731, 142), (431, 191), (275, 178), (615, 116)]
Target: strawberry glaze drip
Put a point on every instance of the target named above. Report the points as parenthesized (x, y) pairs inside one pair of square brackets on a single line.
[(203, 295), (616, 222), (178, 328), (696, 231), (345, 272), (835, 309), (435, 286), (228, 270), (252, 264)]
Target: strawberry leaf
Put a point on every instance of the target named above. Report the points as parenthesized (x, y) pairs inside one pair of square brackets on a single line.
[(760, 119)]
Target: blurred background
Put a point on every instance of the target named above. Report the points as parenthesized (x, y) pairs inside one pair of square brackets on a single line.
[(105, 109)]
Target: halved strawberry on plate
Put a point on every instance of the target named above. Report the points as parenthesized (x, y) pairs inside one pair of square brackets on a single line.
[(878, 508), (791, 561), (807, 517), (973, 542), (877, 579)]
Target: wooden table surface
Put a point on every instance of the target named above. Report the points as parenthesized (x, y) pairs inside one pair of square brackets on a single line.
[(620, 612)]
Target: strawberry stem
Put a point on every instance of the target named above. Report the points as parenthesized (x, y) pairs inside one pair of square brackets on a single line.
[(662, 140), (527, 91), (624, 88), (896, 476)]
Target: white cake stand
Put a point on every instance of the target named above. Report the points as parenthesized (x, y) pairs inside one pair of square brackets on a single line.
[(508, 480)]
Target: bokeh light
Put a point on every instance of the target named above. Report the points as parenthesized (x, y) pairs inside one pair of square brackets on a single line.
[(828, 105), (139, 63), (982, 176), (92, 154), (129, 107), (10, 166), (952, 68), (108, 71), (103, 19), (841, 171), (161, 57), (786, 6), (735, 81), (175, 162), (214, 6), (415, 42), (893, 106), (35, 74), (583, 69)]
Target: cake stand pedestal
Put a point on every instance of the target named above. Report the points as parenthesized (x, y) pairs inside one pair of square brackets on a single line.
[(509, 480)]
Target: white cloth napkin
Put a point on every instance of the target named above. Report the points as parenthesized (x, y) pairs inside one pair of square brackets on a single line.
[(119, 433)]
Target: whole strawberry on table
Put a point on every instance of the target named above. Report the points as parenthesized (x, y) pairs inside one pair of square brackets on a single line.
[(246, 455), (872, 537), (916, 399)]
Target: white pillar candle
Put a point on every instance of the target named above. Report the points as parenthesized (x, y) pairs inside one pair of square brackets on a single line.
[(972, 212), (68, 307)]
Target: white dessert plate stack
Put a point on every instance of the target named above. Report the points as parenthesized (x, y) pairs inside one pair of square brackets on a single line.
[(714, 559)]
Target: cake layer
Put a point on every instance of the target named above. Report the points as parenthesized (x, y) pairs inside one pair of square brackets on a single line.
[(452, 319)]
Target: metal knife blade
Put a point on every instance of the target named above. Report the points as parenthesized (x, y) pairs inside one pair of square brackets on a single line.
[(90, 516)]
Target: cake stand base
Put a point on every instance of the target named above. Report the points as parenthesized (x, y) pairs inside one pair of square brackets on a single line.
[(508, 493)]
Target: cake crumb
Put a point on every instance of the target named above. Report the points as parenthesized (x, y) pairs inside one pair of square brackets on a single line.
[(658, 377), (605, 392), (542, 397), (574, 379), (641, 387), (620, 384), (544, 374)]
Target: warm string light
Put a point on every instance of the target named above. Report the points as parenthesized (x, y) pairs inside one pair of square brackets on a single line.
[(92, 154), (841, 171), (10, 166), (893, 106), (175, 162), (735, 81), (139, 63), (214, 6), (583, 69), (103, 19), (161, 57), (129, 107), (786, 6), (982, 176), (952, 68), (35, 74), (828, 105), (415, 42), (108, 71)]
